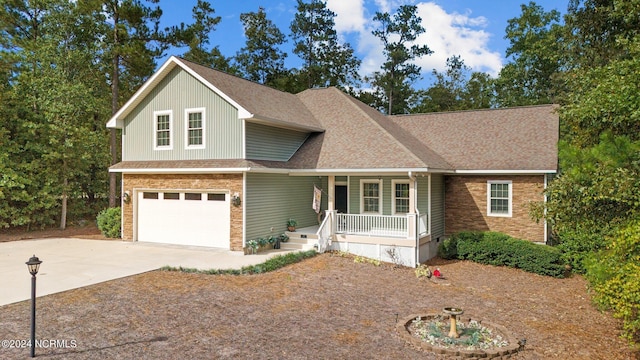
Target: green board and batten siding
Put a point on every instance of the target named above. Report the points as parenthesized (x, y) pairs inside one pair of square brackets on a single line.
[(271, 199), (387, 198), (177, 92), (437, 198), (271, 143)]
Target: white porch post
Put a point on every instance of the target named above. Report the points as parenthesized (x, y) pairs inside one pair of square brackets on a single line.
[(331, 204), (411, 215)]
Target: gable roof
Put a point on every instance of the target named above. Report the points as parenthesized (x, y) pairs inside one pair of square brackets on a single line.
[(358, 137), (255, 102), (520, 138), (266, 104)]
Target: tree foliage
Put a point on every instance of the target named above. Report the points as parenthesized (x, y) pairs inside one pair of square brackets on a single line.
[(260, 59), (457, 89), (327, 61), (615, 276), (197, 37), (594, 203), (50, 116), (398, 33), (536, 39)]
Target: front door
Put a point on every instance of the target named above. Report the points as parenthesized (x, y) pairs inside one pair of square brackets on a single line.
[(341, 199)]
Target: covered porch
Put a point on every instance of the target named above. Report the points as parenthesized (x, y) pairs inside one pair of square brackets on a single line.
[(383, 217)]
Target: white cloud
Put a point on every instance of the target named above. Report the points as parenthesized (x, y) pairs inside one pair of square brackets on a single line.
[(350, 15), (456, 34), (447, 34)]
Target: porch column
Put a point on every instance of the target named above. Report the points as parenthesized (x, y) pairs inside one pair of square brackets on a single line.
[(332, 193), (411, 215), (412, 195)]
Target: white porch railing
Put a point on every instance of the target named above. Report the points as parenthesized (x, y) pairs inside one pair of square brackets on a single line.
[(423, 225), (325, 231), (373, 225)]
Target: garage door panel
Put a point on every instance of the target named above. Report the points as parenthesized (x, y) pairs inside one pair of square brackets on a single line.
[(203, 222)]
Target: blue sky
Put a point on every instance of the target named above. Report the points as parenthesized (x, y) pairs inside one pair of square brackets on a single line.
[(473, 29)]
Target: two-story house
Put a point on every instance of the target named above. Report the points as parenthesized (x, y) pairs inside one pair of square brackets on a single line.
[(210, 159)]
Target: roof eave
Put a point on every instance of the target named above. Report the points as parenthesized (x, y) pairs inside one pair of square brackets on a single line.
[(363, 172), (259, 119), (504, 172), (178, 170)]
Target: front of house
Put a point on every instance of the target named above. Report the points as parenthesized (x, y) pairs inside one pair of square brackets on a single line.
[(209, 159)]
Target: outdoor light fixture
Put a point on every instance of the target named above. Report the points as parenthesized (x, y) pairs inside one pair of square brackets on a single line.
[(33, 265), (126, 198), (235, 199)]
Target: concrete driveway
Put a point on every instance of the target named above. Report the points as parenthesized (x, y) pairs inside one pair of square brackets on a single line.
[(69, 263)]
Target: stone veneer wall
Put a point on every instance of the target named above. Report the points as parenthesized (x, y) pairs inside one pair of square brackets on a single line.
[(231, 182), (466, 206)]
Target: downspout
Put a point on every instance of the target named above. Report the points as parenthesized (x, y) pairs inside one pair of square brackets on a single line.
[(417, 218)]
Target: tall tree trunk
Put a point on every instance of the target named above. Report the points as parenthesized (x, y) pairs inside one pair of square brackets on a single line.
[(113, 139), (63, 211)]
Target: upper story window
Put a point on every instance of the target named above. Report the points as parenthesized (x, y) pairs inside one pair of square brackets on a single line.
[(195, 128), (371, 196), (400, 196), (163, 129), (499, 198)]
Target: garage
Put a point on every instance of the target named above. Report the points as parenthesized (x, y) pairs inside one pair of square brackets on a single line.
[(198, 218)]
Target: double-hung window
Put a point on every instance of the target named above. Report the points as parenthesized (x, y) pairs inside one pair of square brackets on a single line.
[(499, 198), (195, 128), (400, 194), (371, 196), (163, 129)]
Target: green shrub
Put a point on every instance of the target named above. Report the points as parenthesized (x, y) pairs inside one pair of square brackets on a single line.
[(273, 263), (578, 244), (448, 249), (614, 274), (108, 221), (498, 249)]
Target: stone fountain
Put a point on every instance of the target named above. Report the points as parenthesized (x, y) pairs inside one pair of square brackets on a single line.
[(453, 313)]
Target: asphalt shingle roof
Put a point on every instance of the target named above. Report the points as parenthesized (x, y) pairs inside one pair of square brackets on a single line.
[(358, 137), (347, 134), (266, 103), (519, 138)]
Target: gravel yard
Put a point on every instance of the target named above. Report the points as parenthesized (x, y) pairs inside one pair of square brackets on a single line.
[(326, 307)]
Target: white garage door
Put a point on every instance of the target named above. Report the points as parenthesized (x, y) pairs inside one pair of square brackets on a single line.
[(184, 218)]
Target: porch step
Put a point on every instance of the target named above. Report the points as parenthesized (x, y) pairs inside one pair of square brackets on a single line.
[(301, 235), (299, 241)]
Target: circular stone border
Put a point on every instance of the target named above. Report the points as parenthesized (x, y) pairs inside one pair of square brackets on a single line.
[(402, 327)]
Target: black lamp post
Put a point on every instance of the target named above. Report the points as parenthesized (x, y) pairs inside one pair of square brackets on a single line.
[(33, 264)]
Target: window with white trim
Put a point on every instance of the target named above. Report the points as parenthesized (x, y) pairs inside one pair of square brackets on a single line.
[(162, 130), (370, 196), (400, 189), (195, 128), (499, 198)]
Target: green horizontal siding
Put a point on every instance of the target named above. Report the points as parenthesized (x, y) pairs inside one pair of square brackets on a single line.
[(271, 199), (423, 194), (270, 143), (387, 198), (437, 205), (177, 92)]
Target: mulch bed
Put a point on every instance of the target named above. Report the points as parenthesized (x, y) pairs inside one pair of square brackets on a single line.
[(327, 307), (86, 230)]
